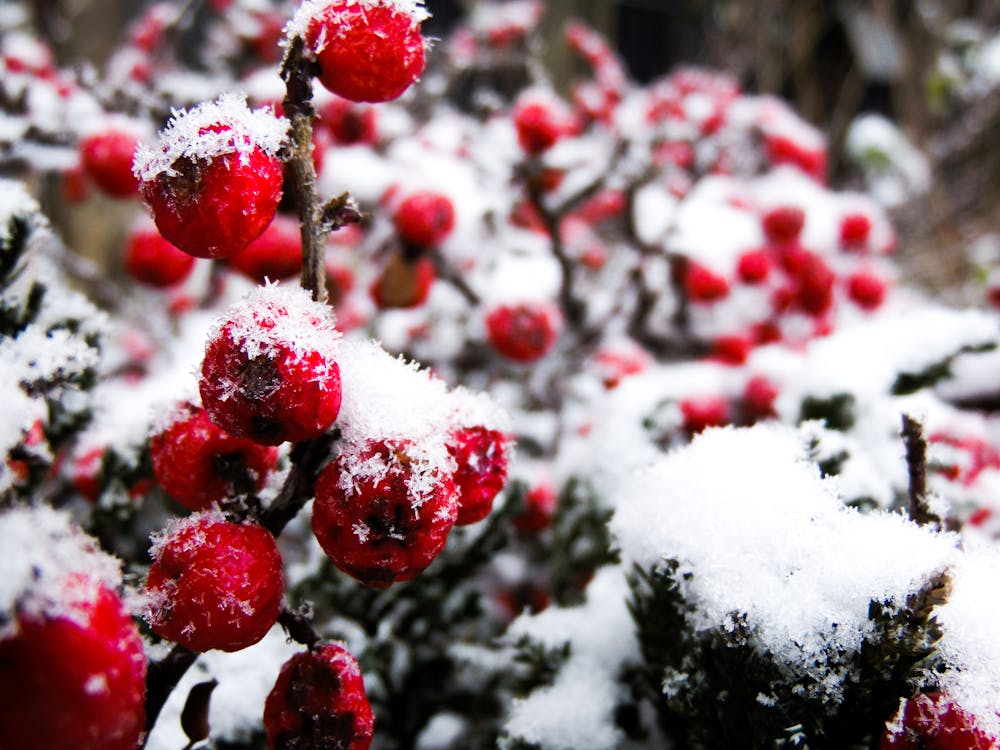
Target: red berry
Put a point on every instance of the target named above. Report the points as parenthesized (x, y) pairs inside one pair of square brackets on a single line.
[(275, 255), (215, 181), (783, 224), (367, 50), (866, 290), (214, 584), (539, 507), (199, 463), (783, 150), (424, 219), (758, 398), (540, 124), (319, 701), (732, 349), (754, 267), (403, 283), (269, 372), (73, 187), (814, 289), (704, 412), (87, 473), (481, 455), (855, 230), (523, 333), (704, 285), (107, 159), (932, 721), (76, 679), (382, 515), (349, 123), (152, 260)]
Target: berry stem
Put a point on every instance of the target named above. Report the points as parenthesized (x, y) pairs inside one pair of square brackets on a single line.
[(916, 464), (307, 459), (297, 74)]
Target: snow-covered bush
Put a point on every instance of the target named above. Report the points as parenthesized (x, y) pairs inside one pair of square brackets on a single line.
[(600, 420)]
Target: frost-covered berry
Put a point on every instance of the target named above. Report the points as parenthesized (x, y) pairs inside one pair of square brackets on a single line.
[(275, 255), (106, 157), (214, 584), (199, 463), (525, 332), (381, 514), (367, 50), (539, 507), (932, 721), (214, 180), (152, 260), (701, 284), (319, 701), (783, 224), (403, 283), (481, 455), (270, 372), (541, 121), (72, 663), (866, 290), (424, 219)]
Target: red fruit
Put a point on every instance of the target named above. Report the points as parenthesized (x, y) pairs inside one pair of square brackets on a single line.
[(758, 398), (523, 333), (73, 186), (348, 123), (214, 584), (814, 290), (87, 473), (152, 260), (107, 159), (932, 721), (367, 50), (783, 150), (783, 225), (403, 283), (382, 515), (215, 181), (754, 267), (269, 372), (481, 455), (199, 463), (703, 285), (539, 507), (732, 349), (319, 701), (424, 219), (704, 412), (855, 230), (866, 290), (540, 125), (275, 255), (73, 680)]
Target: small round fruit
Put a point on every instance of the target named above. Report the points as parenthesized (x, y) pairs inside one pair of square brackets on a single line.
[(703, 285), (275, 255), (214, 584), (523, 333), (540, 122), (152, 260), (106, 157), (481, 455), (424, 219), (319, 701), (783, 224)]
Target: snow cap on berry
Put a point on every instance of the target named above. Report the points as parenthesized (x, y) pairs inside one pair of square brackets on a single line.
[(41, 550), (299, 23), (211, 129)]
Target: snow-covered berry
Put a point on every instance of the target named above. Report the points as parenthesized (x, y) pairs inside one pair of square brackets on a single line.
[(481, 455), (703, 285), (524, 332), (152, 260), (754, 266), (199, 463), (381, 514), (932, 721), (319, 701), (783, 224), (424, 219), (541, 121), (106, 157), (270, 372), (275, 255), (367, 50), (214, 584), (403, 282), (214, 180)]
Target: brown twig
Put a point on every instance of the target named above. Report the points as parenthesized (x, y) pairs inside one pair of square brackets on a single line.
[(916, 465), (299, 625)]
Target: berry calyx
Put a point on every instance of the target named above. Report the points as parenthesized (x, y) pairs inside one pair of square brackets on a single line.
[(275, 255), (214, 584), (403, 283), (319, 701), (106, 157), (481, 455), (381, 514), (783, 224), (199, 463), (424, 219), (367, 50), (523, 333), (214, 180), (932, 721), (152, 260), (270, 372)]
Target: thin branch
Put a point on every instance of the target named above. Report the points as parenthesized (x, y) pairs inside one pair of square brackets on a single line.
[(299, 625), (161, 679), (307, 459), (916, 465)]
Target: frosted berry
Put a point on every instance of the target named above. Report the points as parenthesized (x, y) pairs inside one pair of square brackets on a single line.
[(523, 333), (275, 255), (215, 180), (931, 721), (319, 701), (74, 679), (703, 285), (214, 584), (424, 219), (403, 283), (481, 455), (754, 267), (540, 124), (106, 157), (269, 372), (866, 290), (783, 224), (381, 515), (152, 260), (700, 413), (367, 50), (539, 507), (199, 464)]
